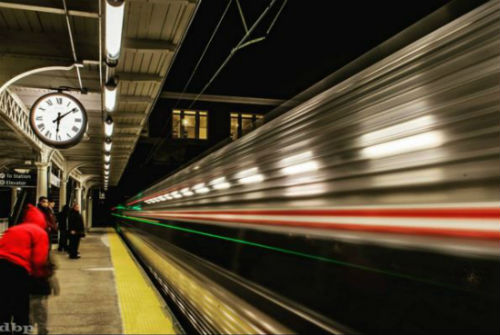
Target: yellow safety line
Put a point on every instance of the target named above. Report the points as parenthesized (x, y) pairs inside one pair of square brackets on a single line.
[(141, 309)]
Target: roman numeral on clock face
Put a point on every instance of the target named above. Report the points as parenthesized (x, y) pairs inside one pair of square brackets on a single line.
[(48, 134), (78, 120), (58, 137), (49, 102), (75, 129), (59, 101), (41, 126), (39, 118)]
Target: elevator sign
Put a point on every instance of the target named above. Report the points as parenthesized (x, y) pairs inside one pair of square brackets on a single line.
[(16, 179)]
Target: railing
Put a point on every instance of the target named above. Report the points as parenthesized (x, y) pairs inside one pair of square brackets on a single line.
[(16, 116)]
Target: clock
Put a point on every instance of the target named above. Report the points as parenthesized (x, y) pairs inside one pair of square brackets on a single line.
[(59, 120)]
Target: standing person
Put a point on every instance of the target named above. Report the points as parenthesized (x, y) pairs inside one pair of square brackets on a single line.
[(43, 205), (23, 252), (76, 230), (53, 222), (63, 228)]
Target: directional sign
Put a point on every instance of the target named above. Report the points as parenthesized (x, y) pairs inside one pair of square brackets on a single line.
[(16, 179)]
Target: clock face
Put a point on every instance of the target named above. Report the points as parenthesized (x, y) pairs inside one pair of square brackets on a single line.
[(59, 120)]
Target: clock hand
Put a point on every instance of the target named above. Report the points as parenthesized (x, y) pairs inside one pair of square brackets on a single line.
[(58, 122), (59, 117)]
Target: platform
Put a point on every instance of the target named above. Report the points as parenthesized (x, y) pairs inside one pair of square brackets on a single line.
[(106, 292)]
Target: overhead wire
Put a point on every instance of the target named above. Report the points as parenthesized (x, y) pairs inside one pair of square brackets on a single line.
[(242, 43), (73, 49), (195, 69), (203, 53)]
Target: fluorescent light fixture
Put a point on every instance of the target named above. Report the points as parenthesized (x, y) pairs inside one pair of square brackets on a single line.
[(106, 166), (108, 144), (114, 27), (110, 91), (106, 172), (197, 186), (301, 168), (297, 158), (252, 179), (427, 140), (196, 167), (176, 195), (107, 158), (108, 126)]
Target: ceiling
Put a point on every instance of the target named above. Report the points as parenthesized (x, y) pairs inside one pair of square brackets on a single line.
[(36, 34)]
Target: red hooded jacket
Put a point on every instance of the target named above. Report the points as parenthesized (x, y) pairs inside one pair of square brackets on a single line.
[(27, 244)]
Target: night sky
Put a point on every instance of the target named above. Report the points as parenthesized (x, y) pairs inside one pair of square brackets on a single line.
[(310, 40)]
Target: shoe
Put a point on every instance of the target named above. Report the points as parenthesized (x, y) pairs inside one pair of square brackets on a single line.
[(74, 257)]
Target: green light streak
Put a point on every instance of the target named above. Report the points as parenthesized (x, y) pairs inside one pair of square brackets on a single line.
[(295, 253)]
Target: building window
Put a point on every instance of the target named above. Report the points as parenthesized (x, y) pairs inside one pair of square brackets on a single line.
[(242, 123), (189, 124)]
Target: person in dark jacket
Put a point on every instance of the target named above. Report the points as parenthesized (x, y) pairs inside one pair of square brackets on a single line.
[(24, 252), (63, 228), (43, 205), (75, 231)]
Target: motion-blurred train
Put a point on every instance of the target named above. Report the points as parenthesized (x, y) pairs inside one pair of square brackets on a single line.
[(372, 207)]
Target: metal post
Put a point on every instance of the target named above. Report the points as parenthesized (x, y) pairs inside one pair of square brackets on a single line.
[(41, 181), (13, 197), (63, 190), (79, 197), (89, 213)]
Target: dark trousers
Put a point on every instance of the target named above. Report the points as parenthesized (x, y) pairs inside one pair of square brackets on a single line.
[(74, 243), (63, 240), (14, 298)]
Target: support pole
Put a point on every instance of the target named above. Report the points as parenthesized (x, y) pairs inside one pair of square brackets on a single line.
[(41, 179)]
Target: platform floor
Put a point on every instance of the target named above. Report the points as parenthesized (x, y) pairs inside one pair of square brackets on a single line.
[(105, 292)]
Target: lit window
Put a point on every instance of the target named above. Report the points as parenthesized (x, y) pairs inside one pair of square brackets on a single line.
[(189, 124), (242, 123)]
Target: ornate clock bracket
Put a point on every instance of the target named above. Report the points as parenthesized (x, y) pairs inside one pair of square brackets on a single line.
[(38, 70)]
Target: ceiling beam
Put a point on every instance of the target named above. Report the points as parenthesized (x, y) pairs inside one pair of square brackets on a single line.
[(162, 1), (123, 76), (222, 98), (148, 44), (134, 99), (131, 115), (38, 44), (46, 8)]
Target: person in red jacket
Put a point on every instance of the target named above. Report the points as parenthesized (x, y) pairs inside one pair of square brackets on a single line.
[(23, 253)]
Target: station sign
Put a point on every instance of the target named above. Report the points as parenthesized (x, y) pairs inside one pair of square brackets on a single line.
[(55, 180), (16, 179)]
